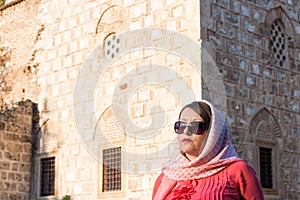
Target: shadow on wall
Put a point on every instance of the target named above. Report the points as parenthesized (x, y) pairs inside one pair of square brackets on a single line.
[(17, 140)]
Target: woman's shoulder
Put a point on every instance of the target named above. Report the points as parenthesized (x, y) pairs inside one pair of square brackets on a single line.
[(240, 164), (240, 168), (157, 184), (244, 177), (158, 180)]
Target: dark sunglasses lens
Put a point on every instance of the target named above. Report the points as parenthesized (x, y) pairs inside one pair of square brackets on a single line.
[(179, 127), (197, 127), (194, 127)]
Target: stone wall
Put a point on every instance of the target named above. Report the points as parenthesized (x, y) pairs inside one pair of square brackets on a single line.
[(257, 89), (16, 151), (59, 39), (19, 33)]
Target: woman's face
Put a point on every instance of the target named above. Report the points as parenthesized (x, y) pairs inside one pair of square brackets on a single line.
[(191, 144)]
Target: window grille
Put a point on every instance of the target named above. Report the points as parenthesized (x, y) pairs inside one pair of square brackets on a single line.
[(265, 155), (47, 176), (112, 46), (111, 169), (278, 44)]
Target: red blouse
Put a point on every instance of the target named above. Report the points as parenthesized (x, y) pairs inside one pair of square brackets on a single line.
[(237, 181)]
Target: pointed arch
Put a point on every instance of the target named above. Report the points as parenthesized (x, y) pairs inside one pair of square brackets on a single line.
[(51, 137), (278, 13), (108, 127), (266, 130), (263, 124)]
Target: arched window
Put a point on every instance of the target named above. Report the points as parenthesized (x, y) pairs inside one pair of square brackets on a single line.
[(266, 130), (49, 139), (278, 44), (110, 142), (281, 37)]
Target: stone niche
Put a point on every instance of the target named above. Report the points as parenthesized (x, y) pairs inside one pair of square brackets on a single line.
[(16, 151)]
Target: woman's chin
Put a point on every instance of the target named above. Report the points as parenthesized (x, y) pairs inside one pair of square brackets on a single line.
[(185, 148)]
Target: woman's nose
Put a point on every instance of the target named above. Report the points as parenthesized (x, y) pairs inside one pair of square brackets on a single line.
[(187, 131)]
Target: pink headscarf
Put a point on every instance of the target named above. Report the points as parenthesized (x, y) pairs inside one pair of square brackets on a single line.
[(217, 154)]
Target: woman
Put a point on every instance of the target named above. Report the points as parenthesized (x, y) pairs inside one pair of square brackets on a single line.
[(205, 165)]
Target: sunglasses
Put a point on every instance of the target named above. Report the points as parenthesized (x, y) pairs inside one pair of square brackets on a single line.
[(194, 127)]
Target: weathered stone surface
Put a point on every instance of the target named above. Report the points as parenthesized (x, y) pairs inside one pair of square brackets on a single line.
[(259, 83), (15, 159)]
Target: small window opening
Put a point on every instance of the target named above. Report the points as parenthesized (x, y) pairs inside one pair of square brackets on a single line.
[(278, 44), (111, 46), (266, 176), (47, 172), (111, 169)]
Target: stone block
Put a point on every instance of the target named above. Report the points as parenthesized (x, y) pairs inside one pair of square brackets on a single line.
[(236, 6), (156, 5), (245, 10), (2, 145), (297, 94), (259, 15), (234, 19), (243, 37), (137, 10), (25, 138), (25, 167), (217, 13), (177, 11), (133, 183), (26, 158), (250, 26), (2, 126), (226, 31), (14, 147), (77, 189), (149, 20), (12, 156), (250, 53), (256, 68), (234, 48), (15, 166), (224, 3), (71, 176), (11, 137)]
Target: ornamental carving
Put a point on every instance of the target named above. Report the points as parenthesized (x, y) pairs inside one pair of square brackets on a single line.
[(111, 15), (264, 125)]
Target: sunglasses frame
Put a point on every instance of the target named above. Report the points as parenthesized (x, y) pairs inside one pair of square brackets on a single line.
[(201, 127)]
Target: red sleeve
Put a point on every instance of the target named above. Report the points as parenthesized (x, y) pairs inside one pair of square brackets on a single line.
[(157, 184), (247, 181)]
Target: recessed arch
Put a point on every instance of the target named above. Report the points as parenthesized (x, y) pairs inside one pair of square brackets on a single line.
[(108, 127), (51, 137), (112, 14), (278, 13), (264, 125)]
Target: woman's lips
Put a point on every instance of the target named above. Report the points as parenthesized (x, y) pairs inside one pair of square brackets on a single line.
[(186, 140)]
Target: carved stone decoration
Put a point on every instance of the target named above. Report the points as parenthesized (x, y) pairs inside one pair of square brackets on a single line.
[(112, 46), (111, 15), (279, 13), (264, 125)]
